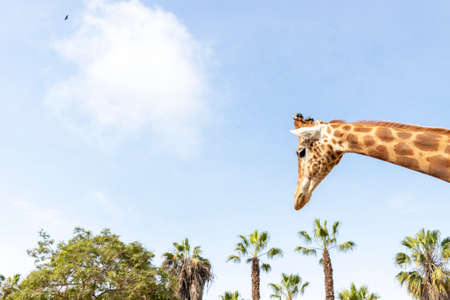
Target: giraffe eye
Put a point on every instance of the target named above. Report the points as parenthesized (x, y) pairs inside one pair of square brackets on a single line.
[(301, 153)]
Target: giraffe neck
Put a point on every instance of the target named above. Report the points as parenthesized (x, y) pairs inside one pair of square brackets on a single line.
[(422, 149)]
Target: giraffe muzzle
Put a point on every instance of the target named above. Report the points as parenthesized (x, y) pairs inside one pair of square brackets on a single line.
[(301, 200)]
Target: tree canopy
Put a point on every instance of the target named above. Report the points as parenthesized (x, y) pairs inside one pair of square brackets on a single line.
[(291, 286), (357, 294), (191, 270), (92, 267), (428, 257)]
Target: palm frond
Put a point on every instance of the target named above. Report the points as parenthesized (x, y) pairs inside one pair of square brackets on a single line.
[(302, 289), (178, 247), (346, 246), (241, 249), (318, 230), (402, 259), (409, 242), (253, 237), (266, 267), (335, 228), (231, 296), (234, 258), (445, 245), (305, 251), (275, 287), (357, 294), (331, 241), (427, 279), (197, 251), (264, 237), (274, 252), (244, 240), (305, 236)]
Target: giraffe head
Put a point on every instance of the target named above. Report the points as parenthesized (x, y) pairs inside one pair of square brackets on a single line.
[(316, 157)]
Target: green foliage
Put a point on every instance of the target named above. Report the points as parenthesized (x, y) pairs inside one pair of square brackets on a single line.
[(92, 267), (357, 294), (254, 246), (9, 286), (231, 296), (428, 258), (291, 286), (190, 270), (325, 239)]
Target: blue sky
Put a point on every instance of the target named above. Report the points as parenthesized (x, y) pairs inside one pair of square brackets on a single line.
[(166, 119)]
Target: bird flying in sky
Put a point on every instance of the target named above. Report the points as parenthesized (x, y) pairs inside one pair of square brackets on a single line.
[(67, 16)]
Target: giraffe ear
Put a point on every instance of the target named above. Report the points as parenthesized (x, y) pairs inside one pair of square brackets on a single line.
[(308, 132)]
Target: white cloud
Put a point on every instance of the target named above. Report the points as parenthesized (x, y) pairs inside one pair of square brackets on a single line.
[(136, 67)]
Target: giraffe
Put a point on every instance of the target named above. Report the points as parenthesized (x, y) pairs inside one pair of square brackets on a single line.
[(322, 145)]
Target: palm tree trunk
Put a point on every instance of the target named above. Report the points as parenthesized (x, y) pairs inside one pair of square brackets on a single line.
[(328, 271), (196, 291), (255, 278)]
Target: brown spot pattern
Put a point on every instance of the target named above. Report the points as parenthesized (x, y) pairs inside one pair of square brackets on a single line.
[(403, 135), (385, 134), (328, 130), (353, 142), (408, 162), (368, 140), (338, 133), (403, 149), (439, 166), (447, 150), (380, 152), (401, 126), (333, 141), (362, 129), (427, 141), (335, 125), (346, 127)]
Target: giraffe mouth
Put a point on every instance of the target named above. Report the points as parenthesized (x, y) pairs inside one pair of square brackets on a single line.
[(303, 193), (301, 201)]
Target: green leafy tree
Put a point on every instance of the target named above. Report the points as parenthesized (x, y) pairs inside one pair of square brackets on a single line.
[(191, 270), (253, 248), (92, 267), (231, 296), (429, 278), (291, 286), (357, 294), (326, 241), (9, 286)]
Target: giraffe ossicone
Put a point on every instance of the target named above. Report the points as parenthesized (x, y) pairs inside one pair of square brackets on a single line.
[(322, 144)]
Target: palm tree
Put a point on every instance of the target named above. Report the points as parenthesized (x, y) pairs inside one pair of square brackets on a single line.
[(325, 242), (430, 277), (291, 286), (231, 296), (357, 294), (192, 271), (253, 247)]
